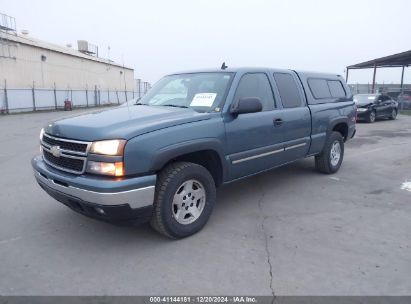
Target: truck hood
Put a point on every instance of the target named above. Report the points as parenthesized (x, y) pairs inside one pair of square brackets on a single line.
[(122, 122)]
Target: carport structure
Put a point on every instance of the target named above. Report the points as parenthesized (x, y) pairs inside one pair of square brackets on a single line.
[(393, 61)]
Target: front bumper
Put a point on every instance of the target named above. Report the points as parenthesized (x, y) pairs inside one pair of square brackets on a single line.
[(121, 200), (361, 115)]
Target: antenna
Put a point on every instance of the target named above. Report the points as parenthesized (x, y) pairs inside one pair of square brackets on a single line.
[(223, 66)]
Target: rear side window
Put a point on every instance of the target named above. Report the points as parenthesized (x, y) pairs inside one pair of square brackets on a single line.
[(336, 88), (323, 88), (288, 89), (256, 85), (319, 88)]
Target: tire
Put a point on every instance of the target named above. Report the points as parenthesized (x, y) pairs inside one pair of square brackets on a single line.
[(371, 117), (178, 211), (325, 162), (393, 115)]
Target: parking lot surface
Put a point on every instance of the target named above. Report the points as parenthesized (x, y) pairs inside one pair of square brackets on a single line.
[(290, 231)]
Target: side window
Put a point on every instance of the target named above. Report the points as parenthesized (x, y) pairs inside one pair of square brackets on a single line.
[(256, 85), (319, 88), (290, 96), (336, 88)]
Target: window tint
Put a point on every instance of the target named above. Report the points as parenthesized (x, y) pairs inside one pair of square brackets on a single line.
[(256, 85), (288, 89), (336, 88), (319, 88)]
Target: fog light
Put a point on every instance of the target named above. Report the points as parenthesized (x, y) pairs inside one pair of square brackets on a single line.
[(99, 210)]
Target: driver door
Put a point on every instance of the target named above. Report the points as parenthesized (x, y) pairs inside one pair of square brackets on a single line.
[(254, 140)]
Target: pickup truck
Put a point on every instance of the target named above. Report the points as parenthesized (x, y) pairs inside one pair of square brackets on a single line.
[(160, 158)]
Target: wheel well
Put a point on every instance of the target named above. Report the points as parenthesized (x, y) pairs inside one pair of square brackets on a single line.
[(342, 128), (206, 158)]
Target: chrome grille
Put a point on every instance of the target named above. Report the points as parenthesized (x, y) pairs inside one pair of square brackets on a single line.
[(71, 156)]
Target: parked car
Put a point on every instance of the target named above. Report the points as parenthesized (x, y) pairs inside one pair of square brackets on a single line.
[(373, 106), (161, 158), (404, 101)]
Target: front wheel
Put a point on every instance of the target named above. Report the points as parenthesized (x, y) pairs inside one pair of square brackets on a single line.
[(371, 117), (330, 159), (184, 198), (393, 114)]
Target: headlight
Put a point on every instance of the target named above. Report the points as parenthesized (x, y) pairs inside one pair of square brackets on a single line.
[(362, 109), (41, 134), (108, 147), (113, 169)]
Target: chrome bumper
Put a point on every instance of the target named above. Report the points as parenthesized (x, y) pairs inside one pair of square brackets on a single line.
[(135, 198)]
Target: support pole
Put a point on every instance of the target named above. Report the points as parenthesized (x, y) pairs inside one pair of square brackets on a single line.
[(373, 79), (86, 96), (34, 98), (6, 100), (402, 79), (55, 96), (346, 75)]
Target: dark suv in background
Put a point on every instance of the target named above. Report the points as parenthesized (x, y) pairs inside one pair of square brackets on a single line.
[(373, 106)]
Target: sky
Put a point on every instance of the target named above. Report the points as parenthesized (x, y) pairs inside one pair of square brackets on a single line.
[(156, 37)]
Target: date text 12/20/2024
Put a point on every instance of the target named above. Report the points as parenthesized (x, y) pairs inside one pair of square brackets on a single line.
[(204, 299)]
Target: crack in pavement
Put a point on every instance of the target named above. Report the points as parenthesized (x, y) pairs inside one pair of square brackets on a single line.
[(267, 251)]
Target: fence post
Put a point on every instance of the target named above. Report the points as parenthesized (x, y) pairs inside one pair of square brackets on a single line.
[(118, 100), (55, 96), (86, 96), (125, 93), (108, 96), (95, 95), (6, 100), (34, 98), (71, 98)]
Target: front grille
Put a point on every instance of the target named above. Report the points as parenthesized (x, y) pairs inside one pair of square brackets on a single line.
[(65, 144), (74, 165), (71, 154)]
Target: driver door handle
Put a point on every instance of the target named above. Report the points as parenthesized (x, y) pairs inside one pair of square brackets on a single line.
[(278, 122)]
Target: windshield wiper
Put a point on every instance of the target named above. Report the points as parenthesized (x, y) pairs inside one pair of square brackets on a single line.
[(174, 106)]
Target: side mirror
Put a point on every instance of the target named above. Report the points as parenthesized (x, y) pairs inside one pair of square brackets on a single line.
[(246, 105)]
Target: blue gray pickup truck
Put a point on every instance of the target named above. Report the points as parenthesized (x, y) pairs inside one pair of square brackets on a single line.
[(160, 158)]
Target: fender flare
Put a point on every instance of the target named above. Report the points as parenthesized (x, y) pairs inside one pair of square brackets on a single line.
[(164, 155)]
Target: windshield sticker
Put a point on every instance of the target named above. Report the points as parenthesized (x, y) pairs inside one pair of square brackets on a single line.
[(203, 100), (371, 97)]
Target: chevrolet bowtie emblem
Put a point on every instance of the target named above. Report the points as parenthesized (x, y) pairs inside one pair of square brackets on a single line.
[(56, 151)]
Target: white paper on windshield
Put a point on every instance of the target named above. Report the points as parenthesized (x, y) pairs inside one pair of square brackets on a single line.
[(203, 100), (371, 97)]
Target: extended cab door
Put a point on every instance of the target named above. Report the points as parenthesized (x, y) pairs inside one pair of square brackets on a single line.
[(254, 140), (295, 114)]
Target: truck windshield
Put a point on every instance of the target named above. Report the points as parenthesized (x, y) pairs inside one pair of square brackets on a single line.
[(202, 92)]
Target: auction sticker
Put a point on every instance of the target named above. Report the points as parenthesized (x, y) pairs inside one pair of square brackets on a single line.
[(203, 100)]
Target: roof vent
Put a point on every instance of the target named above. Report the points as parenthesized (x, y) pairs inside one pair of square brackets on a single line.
[(87, 48)]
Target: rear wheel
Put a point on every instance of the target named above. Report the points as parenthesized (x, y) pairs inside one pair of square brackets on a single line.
[(393, 114), (371, 117), (185, 196), (330, 159)]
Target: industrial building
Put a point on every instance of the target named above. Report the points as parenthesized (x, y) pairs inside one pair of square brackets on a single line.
[(29, 68)]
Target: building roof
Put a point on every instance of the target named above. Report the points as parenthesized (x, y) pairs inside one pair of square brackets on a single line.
[(396, 60), (28, 40)]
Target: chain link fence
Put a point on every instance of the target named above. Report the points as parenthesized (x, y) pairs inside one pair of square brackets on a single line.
[(36, 99)]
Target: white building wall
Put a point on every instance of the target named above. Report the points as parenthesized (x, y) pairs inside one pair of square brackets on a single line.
[(60, 69)]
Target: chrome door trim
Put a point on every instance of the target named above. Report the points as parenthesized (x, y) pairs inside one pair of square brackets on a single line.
[(257, 156)]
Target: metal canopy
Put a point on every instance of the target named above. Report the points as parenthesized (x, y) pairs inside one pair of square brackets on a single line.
[(396, 60)]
